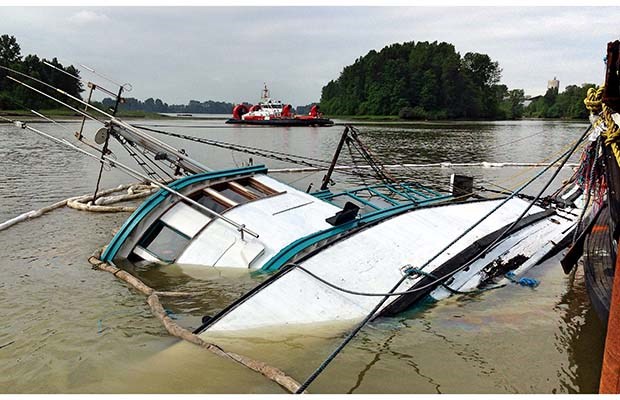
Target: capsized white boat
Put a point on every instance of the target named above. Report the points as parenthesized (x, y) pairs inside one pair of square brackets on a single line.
[(370, 251), (334, 254)]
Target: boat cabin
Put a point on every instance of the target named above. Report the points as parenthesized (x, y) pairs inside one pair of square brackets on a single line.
[(254, 220)]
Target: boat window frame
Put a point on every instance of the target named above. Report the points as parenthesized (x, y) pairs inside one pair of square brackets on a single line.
[(266, 192), (152, 233)]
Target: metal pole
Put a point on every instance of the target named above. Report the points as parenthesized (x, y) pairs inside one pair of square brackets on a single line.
[(107, 142), (125, 86), (328, 175), (79, 79), (92, 87)]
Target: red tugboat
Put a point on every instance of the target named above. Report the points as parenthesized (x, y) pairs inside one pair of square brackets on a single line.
[(273, 112)]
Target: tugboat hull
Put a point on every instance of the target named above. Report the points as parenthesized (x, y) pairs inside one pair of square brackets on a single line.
[(284, 122)]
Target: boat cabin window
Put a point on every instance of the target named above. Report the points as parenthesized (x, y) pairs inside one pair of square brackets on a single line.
[(164, 242), (212, 203), (222, 196)]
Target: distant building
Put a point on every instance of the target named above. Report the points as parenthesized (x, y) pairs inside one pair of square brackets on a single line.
[(553, 84), (529, 99)]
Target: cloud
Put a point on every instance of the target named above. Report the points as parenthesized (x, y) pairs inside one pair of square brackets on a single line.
[(226, 53), (86, 17)]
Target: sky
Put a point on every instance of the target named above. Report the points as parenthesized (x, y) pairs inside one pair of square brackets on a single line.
[(226, 53)]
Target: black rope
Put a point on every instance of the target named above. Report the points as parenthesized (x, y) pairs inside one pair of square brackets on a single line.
[(272, 154), (409, 273), (342, 345), (242, 148)]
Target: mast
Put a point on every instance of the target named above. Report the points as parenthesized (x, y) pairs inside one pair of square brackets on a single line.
[(265, 94)]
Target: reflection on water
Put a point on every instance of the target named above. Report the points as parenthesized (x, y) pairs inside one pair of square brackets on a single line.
[(72, 329)]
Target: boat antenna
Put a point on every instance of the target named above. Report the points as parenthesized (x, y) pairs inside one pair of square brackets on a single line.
[(92, 86), (125, 86), (265, 95), (61, 70)]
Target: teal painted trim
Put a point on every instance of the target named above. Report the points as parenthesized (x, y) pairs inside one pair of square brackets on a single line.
[(154, 200), (428, 190), (279, 260), (416, 193), (363, 201), (384, 197), (405, 195)]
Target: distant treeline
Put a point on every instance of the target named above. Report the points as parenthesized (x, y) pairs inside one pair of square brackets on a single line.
[(193, 107), (568, 104), (158, 106), (14, 96), (421, 81)]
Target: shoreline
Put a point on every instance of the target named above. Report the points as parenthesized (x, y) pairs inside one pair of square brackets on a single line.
[(62, 115)]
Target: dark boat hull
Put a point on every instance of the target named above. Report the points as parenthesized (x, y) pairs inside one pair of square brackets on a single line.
[(284, 122)]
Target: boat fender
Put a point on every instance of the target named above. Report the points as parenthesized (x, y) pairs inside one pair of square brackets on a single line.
[(286, 111), (239, 110)]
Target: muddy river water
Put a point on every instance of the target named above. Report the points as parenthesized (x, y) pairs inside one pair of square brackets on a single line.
[(66, 328)]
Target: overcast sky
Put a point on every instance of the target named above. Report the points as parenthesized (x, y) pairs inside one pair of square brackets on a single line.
[(226, 53)]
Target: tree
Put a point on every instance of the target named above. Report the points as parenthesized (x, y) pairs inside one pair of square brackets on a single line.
[(568, 104), (512, 104), (10, 52), (416, 80)]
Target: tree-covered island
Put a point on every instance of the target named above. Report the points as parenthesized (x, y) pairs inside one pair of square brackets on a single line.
[(433, 81)]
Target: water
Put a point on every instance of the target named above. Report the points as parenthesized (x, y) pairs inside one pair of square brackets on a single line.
[(69, 329)]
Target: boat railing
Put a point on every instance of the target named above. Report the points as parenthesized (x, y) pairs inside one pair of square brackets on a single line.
[(382, 196)]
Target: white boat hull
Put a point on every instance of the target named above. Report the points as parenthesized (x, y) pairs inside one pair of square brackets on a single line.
[(372, 261)]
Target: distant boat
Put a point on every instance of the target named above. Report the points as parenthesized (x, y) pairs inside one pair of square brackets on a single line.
[(273, 112), (184, 115)]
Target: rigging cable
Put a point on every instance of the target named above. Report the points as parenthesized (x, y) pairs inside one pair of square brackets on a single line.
[(272, 154), (386, 296)]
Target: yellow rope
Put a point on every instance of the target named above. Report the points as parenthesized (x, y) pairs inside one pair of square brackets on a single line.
[(594, 99), (594, 103)]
